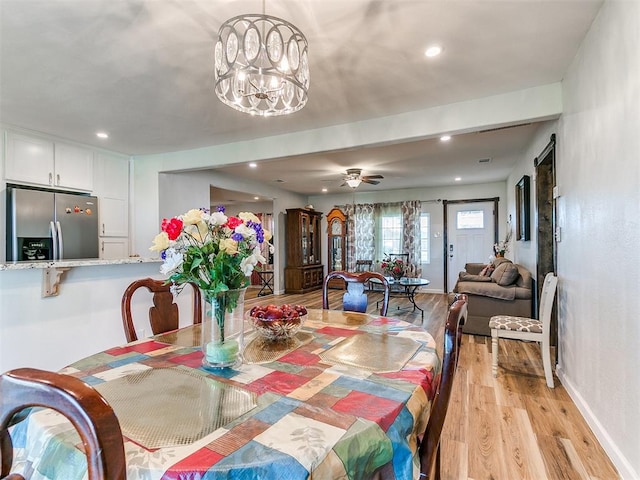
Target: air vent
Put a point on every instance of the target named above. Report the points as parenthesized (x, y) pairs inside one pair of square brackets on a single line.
[(484, 160), (503, 128)]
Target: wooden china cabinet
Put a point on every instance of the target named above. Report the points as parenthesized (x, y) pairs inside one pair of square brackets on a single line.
[(304, 271), (337, 245)]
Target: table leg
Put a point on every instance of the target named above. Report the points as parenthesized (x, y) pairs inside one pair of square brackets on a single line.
[(266, 278), (410, 290)]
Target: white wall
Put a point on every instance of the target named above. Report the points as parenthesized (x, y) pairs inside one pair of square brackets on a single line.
[(430, 196), (598, 173)]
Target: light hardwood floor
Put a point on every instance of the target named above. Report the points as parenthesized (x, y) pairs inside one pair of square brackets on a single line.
[(506, 428)]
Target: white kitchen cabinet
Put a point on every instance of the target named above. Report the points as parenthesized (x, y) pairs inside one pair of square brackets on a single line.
[(28, 159), (111, 177), (111, 186), (39, 161), (113, 214), (113, 248), (73, 167)]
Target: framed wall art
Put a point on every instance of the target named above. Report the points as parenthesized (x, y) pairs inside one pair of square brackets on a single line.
[(523, 201)]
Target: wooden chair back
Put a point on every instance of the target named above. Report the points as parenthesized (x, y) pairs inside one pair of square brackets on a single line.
[(355, 299), (429, 450), (364, 265), (87, 410), (163, 315)]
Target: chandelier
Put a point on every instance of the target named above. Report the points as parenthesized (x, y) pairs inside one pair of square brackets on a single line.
[(261, 65)]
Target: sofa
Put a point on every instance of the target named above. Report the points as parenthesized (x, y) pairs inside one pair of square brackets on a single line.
[(500, 288)]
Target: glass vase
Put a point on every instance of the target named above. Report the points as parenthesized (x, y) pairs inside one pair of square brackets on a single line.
[(222, 328)]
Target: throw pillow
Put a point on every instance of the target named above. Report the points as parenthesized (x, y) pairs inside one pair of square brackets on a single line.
[(487, 270), (505, 274)]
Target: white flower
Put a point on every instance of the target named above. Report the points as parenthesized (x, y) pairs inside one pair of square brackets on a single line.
[(248, 264), (217, 218), (173, 260), (246, 232)]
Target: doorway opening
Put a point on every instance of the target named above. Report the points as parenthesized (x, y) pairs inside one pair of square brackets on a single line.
[(546, 261)]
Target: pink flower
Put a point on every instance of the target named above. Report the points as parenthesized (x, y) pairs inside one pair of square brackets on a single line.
[(172, 227)]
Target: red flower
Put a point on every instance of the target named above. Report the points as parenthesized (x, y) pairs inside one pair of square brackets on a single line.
[(173, 227), (233, 222)]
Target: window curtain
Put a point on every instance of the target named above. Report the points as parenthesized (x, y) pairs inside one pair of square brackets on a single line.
[(411, 240), (360, 234)]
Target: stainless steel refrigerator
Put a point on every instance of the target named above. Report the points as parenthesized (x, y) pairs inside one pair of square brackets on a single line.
[(46, 225)]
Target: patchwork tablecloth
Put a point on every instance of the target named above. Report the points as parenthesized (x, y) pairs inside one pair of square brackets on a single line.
[(317, 414)]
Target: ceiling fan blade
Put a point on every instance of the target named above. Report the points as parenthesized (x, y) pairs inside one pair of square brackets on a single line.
[(372, 182), (372, 176)]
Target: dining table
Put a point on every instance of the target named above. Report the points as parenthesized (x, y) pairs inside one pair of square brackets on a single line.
[(347, 397)]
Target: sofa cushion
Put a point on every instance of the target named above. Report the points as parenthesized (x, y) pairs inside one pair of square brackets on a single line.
[(525, 279), (468, 277), (486, 289), (505, 274)]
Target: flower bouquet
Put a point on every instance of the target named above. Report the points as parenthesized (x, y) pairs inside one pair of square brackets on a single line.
[(500, 248), (393, 267), (218, 254)]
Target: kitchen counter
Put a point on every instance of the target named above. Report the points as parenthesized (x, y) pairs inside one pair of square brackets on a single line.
[(43, 264)]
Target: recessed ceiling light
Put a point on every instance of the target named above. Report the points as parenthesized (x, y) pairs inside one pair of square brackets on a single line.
[(102, 135), (256, 198), (253, 164), (445, 138), (457, 179), (325, 189), (433, 51)]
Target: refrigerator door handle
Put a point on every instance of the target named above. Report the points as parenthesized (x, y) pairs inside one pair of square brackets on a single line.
[(60, 241), (54, 237)]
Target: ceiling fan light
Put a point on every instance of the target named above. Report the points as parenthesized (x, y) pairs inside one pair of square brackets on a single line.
[(353, 182)]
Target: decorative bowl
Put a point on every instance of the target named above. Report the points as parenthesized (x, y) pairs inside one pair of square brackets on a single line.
[(274, 322)]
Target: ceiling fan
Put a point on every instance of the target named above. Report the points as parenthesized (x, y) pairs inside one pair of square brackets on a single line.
[(354, 178)]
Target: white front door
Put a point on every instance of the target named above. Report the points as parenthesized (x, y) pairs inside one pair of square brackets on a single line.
[(470, 235)]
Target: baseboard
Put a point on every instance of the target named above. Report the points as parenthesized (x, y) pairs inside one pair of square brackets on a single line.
[(625, 469)]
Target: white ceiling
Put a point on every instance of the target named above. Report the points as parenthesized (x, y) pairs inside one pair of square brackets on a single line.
[(142, 70)]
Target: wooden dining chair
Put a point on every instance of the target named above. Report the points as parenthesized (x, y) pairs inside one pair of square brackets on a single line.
[(429, 450), (87, 410), (529, 329), (354, 299), (364, 265), (163, 315)]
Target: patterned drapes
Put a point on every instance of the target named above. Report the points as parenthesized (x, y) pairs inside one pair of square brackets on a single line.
[(360, 234), (411, 239), (361, 228)]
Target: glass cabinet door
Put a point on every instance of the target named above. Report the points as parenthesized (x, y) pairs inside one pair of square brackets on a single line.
[(305, 239), (337, 240), (336, 254)]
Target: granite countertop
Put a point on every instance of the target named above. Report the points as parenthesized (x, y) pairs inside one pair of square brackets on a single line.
[(42, 264)]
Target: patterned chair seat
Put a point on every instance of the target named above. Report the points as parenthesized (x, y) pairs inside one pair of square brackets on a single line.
[(517, 324)]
